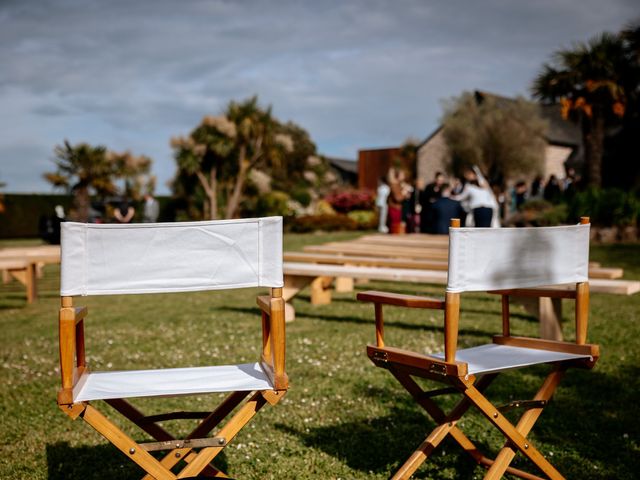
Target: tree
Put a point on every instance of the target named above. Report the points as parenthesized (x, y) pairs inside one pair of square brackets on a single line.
[(258, 142), (202, 154), (222, 151), (134, 171), (503, 137), (2, 207), (587, 81), (83, 170)]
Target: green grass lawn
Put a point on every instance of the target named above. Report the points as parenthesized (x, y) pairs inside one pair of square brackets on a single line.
[(343, 418)]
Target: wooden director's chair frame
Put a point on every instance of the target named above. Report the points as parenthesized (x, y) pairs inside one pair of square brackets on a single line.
[(74, 369), (404, 364), (197, 450)]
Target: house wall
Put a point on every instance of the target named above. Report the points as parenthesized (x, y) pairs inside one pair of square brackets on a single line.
[(373, 164), (555, 156), (433, 156)]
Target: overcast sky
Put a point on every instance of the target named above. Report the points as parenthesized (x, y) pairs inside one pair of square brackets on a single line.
[(356, 74)]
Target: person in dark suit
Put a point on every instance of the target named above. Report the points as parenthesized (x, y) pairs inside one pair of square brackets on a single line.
[(430, 194), (444, 209)]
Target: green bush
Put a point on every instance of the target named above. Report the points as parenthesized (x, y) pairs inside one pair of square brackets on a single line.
[(328, 223), (366, 219), (605, 207), (273, 203), (301, 195)]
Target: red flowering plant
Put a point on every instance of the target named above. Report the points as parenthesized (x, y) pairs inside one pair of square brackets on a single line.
[(347, 200)]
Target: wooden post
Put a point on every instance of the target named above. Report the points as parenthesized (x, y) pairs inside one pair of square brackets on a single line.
[(67, 332), (278, 346), (451, 316), (379, 325), (550, 315), (582, 304), (505, 316), (344, 284), (31, 283), (266, 336), (320, 291)]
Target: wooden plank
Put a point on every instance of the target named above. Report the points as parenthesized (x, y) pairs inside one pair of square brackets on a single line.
[(410, 238), (35, 250), (362, 260), (372, 273), (604, 272), (13, 263), (297, 269), (401, 300), (379, 251), (405, 240)]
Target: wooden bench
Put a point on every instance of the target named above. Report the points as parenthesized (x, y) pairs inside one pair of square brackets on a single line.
[(320, 277), (595, 271), (388, 251), (25, 265), (24, 271)]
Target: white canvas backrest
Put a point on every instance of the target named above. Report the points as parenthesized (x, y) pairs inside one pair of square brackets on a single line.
[(482, 259), (170, 257)]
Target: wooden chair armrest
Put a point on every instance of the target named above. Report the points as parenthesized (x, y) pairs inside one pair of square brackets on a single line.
[(73, 313), (401, 300), (264, 302), (537, 292)]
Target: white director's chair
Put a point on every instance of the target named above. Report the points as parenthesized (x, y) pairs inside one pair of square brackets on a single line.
[(508, 261), (172, 257)]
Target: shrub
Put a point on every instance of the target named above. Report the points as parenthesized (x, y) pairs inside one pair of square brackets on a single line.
[(539, 213), (273, 203), (366, 219), (301, 195), (311, 223), (346, 201), (606, 207)]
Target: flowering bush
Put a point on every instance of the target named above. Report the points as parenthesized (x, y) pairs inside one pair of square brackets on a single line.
[(346, 201)]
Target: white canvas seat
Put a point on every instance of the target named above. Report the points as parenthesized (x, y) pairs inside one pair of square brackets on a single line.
[(173, 258), (171, 382), (491, 358), (508, 262)]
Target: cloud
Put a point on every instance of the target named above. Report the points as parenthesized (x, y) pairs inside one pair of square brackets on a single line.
[(362, 73)]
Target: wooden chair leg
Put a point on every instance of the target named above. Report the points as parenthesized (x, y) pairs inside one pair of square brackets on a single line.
[(525, 424), (208, 424), (514, 437), (126, 445), (229, 431), (446, 424)]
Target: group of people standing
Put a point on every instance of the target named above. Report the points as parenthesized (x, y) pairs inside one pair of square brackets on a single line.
[(429, 208)]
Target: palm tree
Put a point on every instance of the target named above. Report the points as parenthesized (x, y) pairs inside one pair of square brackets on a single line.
[(82, 170), (587, 81)]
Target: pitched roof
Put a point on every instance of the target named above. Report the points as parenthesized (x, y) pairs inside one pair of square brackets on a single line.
[(344, 164), (561, 132)]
